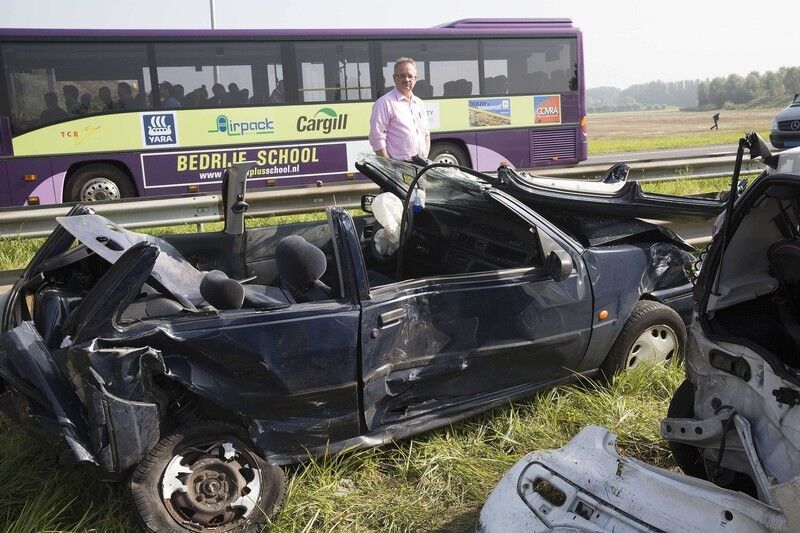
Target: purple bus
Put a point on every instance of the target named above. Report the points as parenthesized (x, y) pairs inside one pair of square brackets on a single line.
[(103, 114)]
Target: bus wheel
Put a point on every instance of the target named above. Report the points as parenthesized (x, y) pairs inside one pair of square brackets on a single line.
[(448, 153), (95, 183)]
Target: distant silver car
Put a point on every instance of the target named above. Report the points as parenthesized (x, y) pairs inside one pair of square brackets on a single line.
[(785, 131)]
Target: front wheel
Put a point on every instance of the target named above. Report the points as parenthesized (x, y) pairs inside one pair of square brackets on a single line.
[(205, 477), (654, 333), (98, 182), (452, 154)]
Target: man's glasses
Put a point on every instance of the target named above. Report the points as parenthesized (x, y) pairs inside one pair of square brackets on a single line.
[(402, 77)]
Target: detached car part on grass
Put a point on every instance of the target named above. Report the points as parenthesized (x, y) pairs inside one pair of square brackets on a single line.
[(734, 422), (149, 361), (588, 486)]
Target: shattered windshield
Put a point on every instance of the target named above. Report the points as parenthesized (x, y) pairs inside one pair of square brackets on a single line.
[(442, 185)]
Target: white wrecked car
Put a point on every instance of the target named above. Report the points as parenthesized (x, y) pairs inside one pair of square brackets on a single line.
[(735, 421)]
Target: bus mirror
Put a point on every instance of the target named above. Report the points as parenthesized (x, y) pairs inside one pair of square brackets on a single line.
[(366, 202)]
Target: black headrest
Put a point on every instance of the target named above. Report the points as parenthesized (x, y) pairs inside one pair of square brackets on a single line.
[(221, 291), (299, 262)]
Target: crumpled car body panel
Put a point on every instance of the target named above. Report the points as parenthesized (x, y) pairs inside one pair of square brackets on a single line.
[(588, 486)]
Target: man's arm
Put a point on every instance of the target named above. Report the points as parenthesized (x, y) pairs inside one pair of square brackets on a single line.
[(378, 124)]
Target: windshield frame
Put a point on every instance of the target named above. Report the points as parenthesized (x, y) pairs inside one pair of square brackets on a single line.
[(443, 183)]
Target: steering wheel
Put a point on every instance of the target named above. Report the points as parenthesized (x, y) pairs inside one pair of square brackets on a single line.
[(617, 173)]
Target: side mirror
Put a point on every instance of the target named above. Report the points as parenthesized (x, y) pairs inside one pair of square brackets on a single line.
[(559, 265), (758, 148), (366, 202), (618, 172)]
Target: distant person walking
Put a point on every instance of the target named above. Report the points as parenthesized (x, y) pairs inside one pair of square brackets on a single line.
[(399, 122), (715, 118)]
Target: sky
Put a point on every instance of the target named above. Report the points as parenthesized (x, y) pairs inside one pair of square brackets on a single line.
[(625, 41)]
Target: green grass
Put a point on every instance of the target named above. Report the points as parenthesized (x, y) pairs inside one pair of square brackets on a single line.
[(687, 187), (644, 144), (435, 482)]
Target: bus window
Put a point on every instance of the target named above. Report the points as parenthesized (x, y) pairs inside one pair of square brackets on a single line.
[(446, 68), (53, 82), (333, 71), (219, 74), (529, 66)]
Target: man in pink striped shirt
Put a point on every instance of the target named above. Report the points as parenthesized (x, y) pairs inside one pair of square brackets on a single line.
[(399, 122)]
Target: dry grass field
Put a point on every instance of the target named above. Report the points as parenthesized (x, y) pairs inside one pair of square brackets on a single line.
[(651, 130)]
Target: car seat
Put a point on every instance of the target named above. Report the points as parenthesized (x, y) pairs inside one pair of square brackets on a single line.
[(222, 292), (300, 265)]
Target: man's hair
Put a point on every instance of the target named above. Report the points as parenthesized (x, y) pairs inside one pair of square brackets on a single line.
[(400, 60)]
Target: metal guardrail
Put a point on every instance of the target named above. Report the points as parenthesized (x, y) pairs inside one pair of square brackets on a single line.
[(38, 221), (665, 169)]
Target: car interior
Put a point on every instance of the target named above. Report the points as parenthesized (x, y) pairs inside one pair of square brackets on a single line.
[(757, 291)]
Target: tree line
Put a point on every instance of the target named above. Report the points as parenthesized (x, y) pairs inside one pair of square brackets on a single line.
[(772, 88), (782, 84), (643, 96)]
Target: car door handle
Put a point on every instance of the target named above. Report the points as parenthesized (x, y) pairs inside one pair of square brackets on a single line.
[(390, 317)]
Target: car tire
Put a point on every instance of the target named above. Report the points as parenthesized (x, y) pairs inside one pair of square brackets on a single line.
[(444, 152), (191, 478), (653, 332), (98, 182)]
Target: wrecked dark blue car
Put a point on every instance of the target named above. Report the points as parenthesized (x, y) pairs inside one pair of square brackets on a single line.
[(190, 366)]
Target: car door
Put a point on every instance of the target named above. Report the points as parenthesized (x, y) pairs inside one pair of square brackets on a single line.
[(460, 343)]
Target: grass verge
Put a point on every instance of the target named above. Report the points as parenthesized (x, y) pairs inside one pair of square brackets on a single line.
[(644, 144), (437, 482)]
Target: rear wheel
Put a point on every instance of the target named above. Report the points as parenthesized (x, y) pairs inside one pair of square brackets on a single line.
[(205, 477), (444, 152), (98, 182), (654, 333)]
